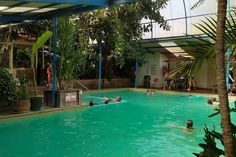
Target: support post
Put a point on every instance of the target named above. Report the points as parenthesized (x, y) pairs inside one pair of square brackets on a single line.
[(43, 62), (11, 58), (227, 70), (100, 67), (151, 29), (135, 75), (186, 20), (54, 44)]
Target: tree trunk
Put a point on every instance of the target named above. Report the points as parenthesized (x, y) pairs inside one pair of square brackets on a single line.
[(221, 81)]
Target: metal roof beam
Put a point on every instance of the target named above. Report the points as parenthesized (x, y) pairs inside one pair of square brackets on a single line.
[(75, 2)]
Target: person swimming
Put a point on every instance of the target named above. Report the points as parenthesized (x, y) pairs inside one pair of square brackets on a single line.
[(91, 103), (188, 128), (149, 92), (215, 104), (107, 100), (189, 124)]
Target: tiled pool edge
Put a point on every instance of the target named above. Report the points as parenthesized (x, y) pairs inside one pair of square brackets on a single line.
[(46, 111), (180, 92)]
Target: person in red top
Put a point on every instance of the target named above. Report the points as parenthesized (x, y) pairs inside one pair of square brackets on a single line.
[(50, 74)]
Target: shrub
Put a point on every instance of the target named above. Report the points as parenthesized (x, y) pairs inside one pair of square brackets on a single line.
[(22, 91), (7, 87)]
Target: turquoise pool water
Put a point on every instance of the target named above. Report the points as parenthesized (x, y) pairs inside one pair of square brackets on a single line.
[(140, 127)]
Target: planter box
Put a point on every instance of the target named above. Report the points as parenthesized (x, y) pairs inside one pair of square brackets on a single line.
[(64, 98)]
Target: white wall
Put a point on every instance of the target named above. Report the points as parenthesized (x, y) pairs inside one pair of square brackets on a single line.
[(152, 67)]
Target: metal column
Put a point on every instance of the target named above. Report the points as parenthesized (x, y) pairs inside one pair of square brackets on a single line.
[(54, 45), (227, 70), (135, 74), (100, 67), (186, 20)]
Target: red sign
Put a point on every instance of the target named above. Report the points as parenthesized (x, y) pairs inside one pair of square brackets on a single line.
[(70, 97)]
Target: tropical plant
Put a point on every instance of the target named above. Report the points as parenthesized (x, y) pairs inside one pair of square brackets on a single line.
[(203, 49), (223, 35), (71, 57), (7, 87), (37, 45), (212, 137), (22, 91), (119, 30), (229, 144)]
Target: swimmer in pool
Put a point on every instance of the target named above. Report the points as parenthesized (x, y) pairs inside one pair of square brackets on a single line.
[(149, 92), (189, 124), (188, 128), (91, 103), (107, 100), (215, 104)]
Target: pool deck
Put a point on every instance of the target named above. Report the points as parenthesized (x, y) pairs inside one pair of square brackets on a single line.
[(49, 110)]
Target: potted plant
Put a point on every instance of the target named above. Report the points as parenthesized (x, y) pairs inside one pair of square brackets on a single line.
[(36, 102), (7, 89), (21, 103)]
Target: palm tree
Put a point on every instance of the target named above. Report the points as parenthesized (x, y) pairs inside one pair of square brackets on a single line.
[(221, 35), (221, 82)]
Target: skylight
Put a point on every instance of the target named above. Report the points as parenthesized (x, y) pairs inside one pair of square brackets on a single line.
[(19, 9), (43, 10), (3, 8), (175, 49)]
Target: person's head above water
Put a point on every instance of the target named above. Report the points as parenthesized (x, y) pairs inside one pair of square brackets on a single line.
[(211, 100), (189, 124), (91, 103)]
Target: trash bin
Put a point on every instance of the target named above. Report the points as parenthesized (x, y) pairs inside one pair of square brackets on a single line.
[(146, 81)]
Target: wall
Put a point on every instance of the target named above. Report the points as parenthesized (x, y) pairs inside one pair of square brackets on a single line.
[(204, 78), (153, 67)]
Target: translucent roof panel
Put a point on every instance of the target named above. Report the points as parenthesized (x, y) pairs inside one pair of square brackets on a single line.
[(181, 17), (18, 11)]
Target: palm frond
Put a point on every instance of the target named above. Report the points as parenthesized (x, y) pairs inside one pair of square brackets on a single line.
[(200, 2)]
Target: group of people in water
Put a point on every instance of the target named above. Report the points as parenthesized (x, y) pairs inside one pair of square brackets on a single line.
[(106, 100)]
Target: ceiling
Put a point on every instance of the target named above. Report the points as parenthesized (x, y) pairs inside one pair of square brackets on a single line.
[(20, 11)]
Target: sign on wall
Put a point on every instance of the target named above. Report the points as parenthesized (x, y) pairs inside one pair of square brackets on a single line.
[(70, 97)]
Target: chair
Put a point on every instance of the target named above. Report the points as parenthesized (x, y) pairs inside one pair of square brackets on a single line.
[(155, 82)]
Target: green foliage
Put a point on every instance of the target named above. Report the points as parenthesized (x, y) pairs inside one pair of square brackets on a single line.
[(203, 49), (37, 45), (7, 87), (71, 57), (120, 30), (22, 58), (22, 91), (210, 148)]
